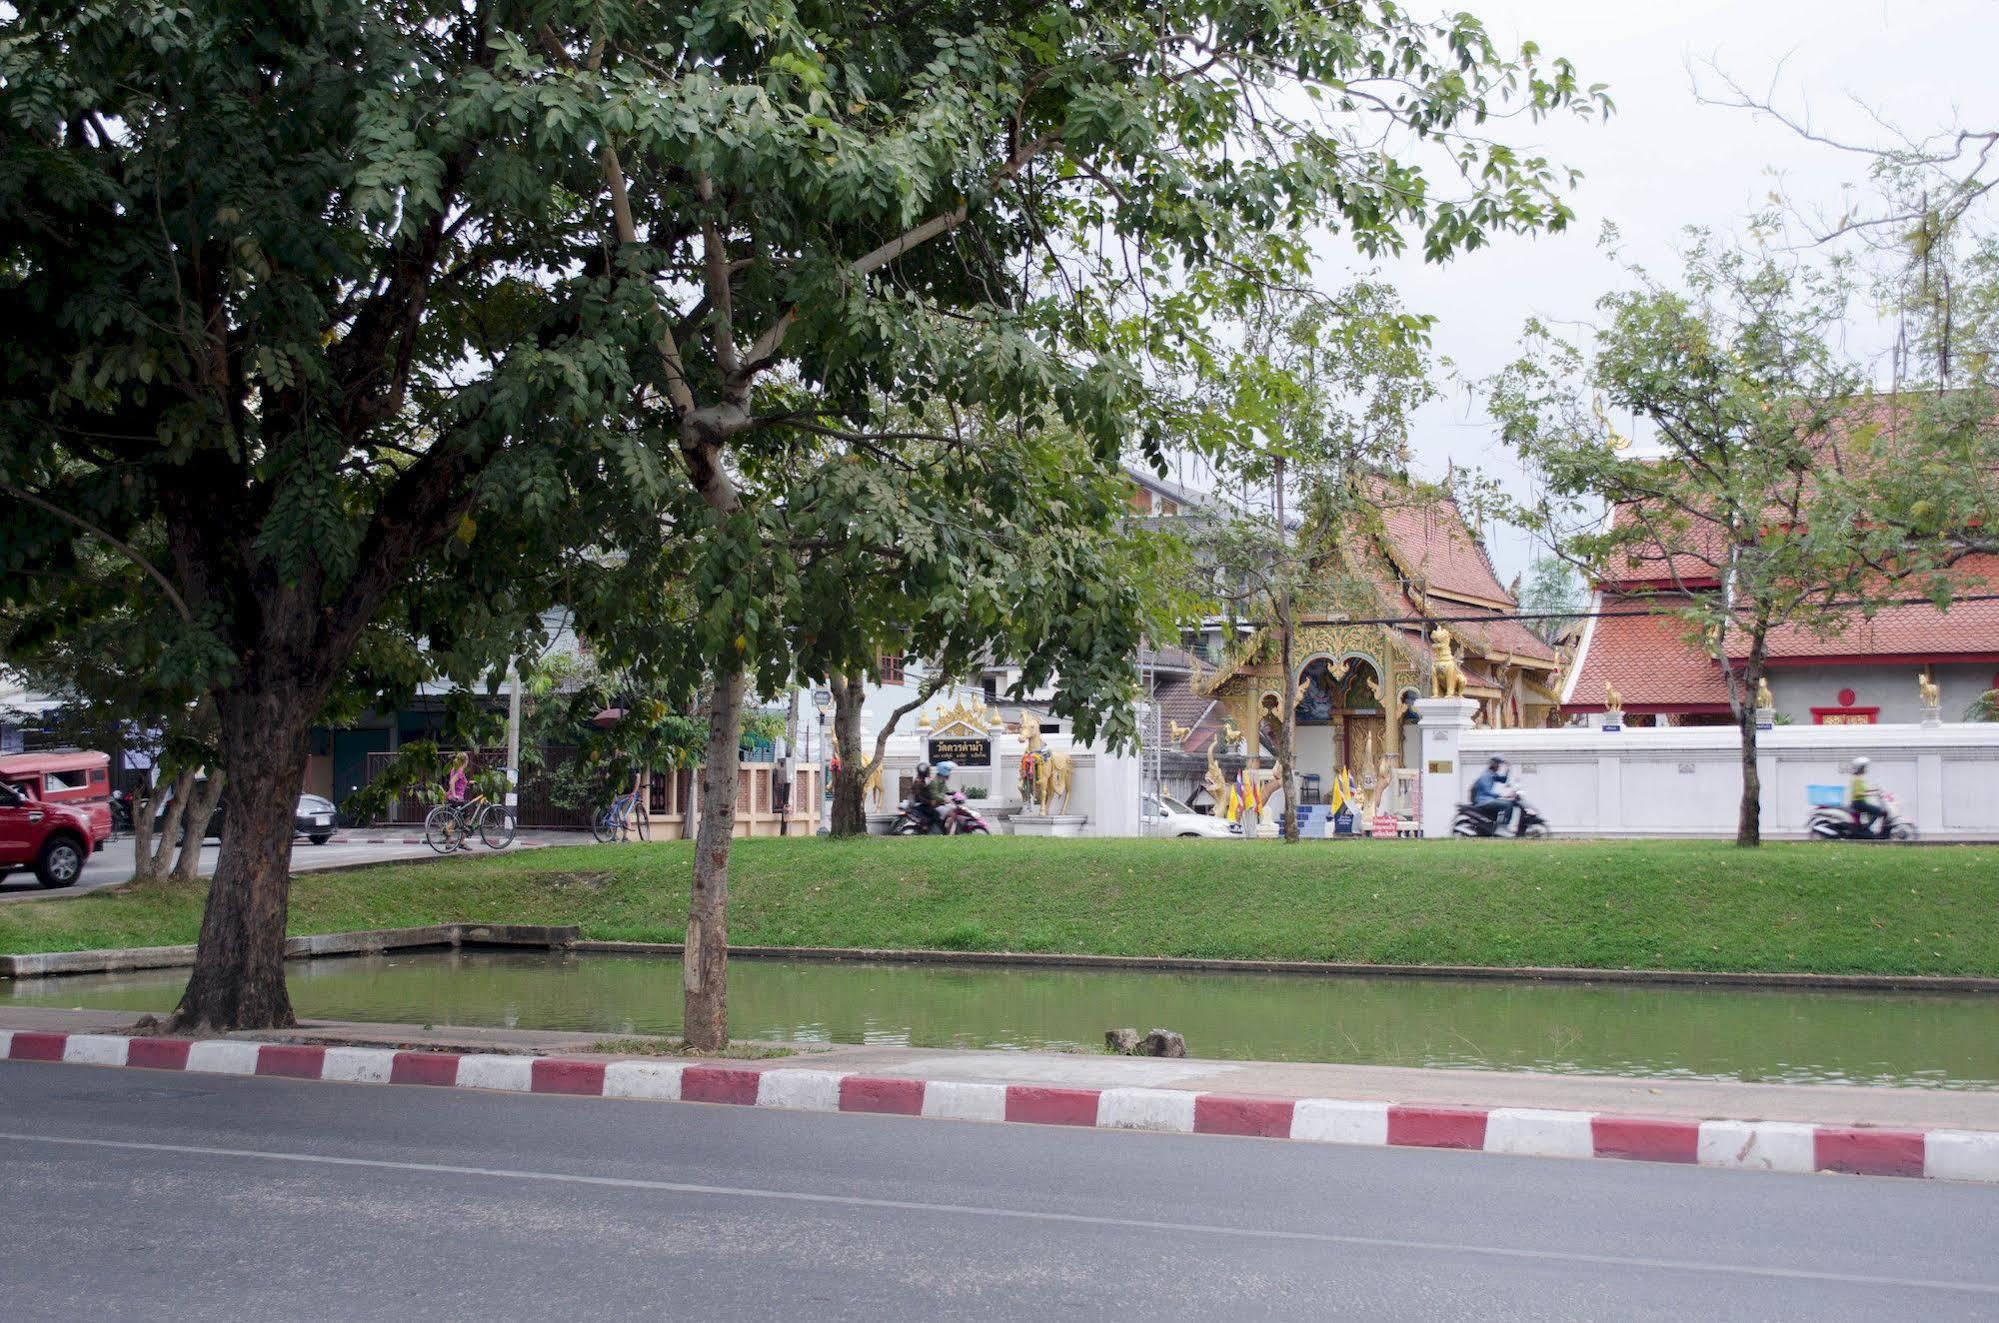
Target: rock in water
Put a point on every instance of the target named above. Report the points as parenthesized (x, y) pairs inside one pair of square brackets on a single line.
[(1163, 1043), (1124, 1042)]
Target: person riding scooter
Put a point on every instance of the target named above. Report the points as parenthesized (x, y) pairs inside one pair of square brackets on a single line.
[(1492, 793), (940, 780), (926, 796), (1865, 801)]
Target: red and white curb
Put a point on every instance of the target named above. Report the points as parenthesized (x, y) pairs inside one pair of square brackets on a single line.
[(1962, 1155)]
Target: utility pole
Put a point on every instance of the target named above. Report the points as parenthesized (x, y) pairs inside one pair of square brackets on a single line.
[(514, 741)]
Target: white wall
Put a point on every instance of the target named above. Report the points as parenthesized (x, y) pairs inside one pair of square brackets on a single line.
[(1893, 689), (1104, 789), (1687, 781)]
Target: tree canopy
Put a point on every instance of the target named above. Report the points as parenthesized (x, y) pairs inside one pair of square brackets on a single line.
[(385, 323)]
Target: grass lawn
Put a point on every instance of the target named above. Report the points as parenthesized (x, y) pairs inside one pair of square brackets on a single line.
[(1638, 904)]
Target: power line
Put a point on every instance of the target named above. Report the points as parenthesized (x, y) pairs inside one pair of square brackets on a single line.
[(1583, 613)]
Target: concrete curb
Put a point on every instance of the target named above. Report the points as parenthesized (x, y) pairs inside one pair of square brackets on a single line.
[(51, 964), (1962, 1155), (1325, 968)]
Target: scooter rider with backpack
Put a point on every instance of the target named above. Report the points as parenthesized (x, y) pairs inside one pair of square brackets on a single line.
[(1868, 811)]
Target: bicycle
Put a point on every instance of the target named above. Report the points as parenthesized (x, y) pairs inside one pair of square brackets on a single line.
[(450, 827), (626, 817)]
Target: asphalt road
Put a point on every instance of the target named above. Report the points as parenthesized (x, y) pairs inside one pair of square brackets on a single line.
[(136, 1195), (113, 864)]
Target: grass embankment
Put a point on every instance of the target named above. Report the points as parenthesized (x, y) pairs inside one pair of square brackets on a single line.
[(1611, 905)]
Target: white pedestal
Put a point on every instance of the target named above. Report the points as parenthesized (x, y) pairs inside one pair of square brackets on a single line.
[(879, 823), (1044, 824), (1932, 718), (1442, 723)]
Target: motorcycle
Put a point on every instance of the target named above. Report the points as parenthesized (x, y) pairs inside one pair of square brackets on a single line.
[(958, 815), (1472, 820), (1838, 822)]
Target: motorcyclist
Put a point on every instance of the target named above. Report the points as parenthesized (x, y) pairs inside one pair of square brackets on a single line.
[(1865, 801), (1492, 793), (924, 798), (941, 778)]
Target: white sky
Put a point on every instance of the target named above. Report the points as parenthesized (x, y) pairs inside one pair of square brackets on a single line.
[(1663, 161)]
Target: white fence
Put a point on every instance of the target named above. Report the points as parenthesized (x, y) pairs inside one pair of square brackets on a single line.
[(1687, 781)]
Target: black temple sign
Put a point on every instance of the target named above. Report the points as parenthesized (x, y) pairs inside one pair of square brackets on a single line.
[(965, 751)]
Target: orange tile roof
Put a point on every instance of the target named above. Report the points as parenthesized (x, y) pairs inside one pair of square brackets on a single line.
[(1433, 546), (1651, 661), (1648, 659)]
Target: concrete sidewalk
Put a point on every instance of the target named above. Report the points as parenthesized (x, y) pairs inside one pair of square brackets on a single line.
[(1690, 1100)]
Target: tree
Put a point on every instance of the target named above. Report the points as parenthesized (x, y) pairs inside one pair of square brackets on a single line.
[(1782, 494), (985, 204), (1313, 412), (1554, 592), (314, 330), (964, 544), (373, 311), (117, 654)]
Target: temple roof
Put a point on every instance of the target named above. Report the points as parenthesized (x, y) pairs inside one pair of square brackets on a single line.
[(1654, 664)]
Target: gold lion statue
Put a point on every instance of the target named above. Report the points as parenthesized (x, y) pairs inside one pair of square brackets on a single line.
[(1446, 680)]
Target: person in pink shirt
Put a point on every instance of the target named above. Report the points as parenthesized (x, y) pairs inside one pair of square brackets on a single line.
[(458, 782)]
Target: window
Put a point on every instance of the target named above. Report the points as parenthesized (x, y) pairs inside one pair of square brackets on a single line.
[(991, 687), (890, 666)]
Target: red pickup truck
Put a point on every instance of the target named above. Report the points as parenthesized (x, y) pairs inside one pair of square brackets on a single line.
[(52, 839)]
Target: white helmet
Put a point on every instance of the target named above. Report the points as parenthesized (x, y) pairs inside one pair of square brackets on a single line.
[(1859, 766)]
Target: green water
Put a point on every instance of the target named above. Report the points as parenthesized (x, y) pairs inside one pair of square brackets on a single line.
[(1921, 1040)]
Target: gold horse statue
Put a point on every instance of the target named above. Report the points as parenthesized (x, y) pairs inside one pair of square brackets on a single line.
[(1054, 773), (1446, 680), (1926, 684)]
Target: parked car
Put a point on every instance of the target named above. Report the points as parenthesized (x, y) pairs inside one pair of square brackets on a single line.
[(1167, 816), (52, 839), (315, 818), (74, 778)]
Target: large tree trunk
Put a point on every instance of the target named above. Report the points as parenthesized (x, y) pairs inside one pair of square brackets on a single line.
[(239, 966), (850, 810), (1749, 816), (705, 964), (199, 811)]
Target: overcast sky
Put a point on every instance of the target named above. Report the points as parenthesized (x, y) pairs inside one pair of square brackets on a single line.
[(1664, 161)]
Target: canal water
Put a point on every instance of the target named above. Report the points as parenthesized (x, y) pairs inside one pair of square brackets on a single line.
[(1927, 1040)]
